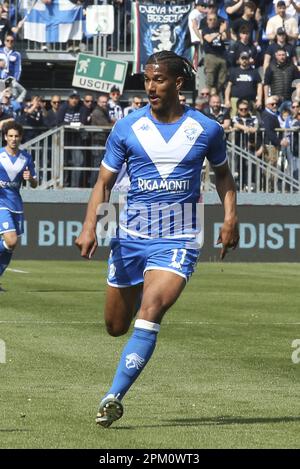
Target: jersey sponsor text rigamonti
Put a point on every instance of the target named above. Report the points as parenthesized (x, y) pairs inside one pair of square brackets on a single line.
[(164, 163)]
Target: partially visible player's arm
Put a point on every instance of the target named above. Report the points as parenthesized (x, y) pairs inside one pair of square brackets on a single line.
[(229, 234), (87, 240), (28, 177)]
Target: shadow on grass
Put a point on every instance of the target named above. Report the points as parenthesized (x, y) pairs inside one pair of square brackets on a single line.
[(12, 430), (65, 291), (221, 420)]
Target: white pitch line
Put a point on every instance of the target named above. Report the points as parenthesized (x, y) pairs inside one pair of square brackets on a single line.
[(18, 271), (180, 323)]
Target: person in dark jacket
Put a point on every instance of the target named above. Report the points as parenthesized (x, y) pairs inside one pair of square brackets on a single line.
[(273, 142), (73, 113), (51, 118), (99, 117), (279, 76)]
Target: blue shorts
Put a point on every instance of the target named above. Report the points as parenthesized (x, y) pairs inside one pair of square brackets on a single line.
[(10, 221), (130, 259)]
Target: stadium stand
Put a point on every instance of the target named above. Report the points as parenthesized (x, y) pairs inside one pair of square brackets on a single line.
[(47, 72)]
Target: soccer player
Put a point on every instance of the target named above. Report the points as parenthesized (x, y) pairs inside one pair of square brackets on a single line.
[(164, 145), (15, 166)]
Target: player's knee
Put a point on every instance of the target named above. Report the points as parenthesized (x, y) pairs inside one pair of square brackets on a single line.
[(153, 310), (116, 329), (11, 242)]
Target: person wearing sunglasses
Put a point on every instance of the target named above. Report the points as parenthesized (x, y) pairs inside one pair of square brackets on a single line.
[(11, 56), (51, 117), (273, 142), (136, 103), (244, 83)]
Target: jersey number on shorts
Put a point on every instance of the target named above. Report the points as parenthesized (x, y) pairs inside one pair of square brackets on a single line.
[(178, 258)]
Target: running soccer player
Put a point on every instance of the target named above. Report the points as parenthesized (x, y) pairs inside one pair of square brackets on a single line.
[(15, 166), (154, 252)]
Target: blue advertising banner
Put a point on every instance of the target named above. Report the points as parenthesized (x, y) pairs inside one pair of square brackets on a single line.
[(159, 27)]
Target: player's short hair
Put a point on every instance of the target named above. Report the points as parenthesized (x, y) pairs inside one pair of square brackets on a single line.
[(12, 125), (178, 65)]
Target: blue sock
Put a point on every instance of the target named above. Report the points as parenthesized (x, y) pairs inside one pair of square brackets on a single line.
[(135, 356), (5, 256)]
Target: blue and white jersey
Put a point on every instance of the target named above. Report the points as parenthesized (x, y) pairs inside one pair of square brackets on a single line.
[(11, 177), (164, 162)]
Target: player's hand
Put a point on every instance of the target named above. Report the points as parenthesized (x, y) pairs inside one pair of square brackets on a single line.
[(228, 237), (87, 243), (26, 174)]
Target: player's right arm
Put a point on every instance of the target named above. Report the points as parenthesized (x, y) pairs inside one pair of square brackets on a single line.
[(87, 240)]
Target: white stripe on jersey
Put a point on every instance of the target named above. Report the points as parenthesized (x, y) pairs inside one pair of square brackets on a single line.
[(166, 155), (12, 169)]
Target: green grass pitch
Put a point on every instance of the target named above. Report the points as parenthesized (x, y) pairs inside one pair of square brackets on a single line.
[(221, 376)]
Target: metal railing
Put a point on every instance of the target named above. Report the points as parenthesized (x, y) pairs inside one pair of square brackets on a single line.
[(70, 156), (120, 42)]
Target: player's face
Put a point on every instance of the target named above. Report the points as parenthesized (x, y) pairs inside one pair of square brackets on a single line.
[(161, 87), (13, 139)]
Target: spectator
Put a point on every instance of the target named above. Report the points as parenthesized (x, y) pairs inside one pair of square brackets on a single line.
[(244, 83), (3, 69), (282, 20), (32, 117), (182, 99), (201, 104), (247, 19), (51, 116), (5, 25), (88, 102), (279, 76), (243, 45), (11, 56), (234, 10), (18, 92), (114, 106), (100, 117), (246, 127), (212, 8), (8, 12), (73, 113), (295, 148), (4, 117), (273, 142), (137, 103), (194, 19), (215, 66), (295, 108), (280, 42), (218, 112), (292, 7)]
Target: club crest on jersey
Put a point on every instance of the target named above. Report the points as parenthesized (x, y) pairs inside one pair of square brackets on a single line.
[(191, 133), (145, 127), (133, 360)]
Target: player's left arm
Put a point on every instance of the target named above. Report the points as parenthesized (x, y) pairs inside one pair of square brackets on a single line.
[(29, 173), (226, 188)]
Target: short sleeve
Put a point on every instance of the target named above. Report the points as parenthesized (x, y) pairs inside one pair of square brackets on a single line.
[(216, 153), (115, 151)]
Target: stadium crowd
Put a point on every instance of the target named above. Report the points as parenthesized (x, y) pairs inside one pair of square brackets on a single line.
[(248, 51)]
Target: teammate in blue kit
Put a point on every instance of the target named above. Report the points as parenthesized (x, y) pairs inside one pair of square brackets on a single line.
[(155, 249), (15, 166)]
